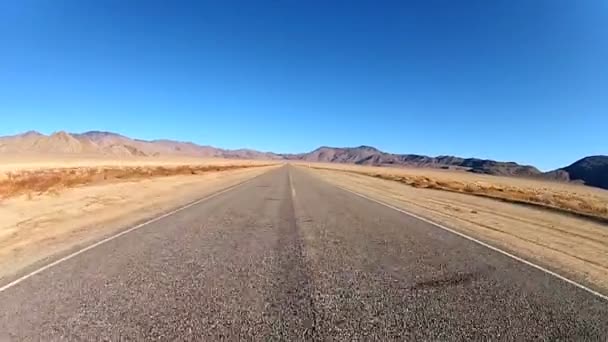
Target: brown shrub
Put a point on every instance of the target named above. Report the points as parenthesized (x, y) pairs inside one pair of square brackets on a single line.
[(572, 202), (50, 180)]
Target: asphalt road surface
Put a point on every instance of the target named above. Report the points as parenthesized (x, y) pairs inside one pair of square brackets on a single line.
[(288, 256)]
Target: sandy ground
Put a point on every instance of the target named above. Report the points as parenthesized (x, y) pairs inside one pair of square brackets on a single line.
[(13, 163), (35, 228), (469, 177), (573, 246), (574, 198)]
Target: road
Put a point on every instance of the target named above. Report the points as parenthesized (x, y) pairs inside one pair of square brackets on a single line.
[(287, 256)]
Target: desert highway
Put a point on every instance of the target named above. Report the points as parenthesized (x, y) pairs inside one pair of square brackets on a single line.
[(288, 256)]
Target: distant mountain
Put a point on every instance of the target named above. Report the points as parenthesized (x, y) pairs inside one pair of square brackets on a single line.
[(367, 155), (493, 167), (108, 143), (59, 142), (592, 170), (326, 154)]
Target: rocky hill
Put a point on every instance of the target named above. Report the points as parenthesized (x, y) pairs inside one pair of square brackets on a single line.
[(366, 155), (592, 170)]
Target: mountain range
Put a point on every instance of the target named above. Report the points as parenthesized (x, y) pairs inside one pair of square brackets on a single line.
[(592, 170), (113, 144)]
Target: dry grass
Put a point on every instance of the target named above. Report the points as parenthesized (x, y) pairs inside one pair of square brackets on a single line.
[(40, 181), (572, 198), (32, 162)]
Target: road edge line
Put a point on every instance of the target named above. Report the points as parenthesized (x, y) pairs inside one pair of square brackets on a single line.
[(484, 244), (121, 233)]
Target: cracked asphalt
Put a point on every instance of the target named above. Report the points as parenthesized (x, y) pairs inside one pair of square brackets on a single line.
[(290, 257)]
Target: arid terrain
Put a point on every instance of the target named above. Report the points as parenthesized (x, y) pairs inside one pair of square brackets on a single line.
[(101, 234), (50, 204), (530, 218), (289, 255), (57, 200), (31, 177), (568, 197), (304, 171), (590, 170)]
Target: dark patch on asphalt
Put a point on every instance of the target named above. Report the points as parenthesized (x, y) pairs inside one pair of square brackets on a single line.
[(449, 281), (291, 306)]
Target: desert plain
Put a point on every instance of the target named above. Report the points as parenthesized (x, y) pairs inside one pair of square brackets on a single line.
[(54, 203)]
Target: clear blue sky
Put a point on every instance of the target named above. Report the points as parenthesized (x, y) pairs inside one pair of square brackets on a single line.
[(522, 80)]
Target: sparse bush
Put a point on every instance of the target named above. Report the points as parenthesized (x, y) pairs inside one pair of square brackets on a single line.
[(51, 180), (569, 201)]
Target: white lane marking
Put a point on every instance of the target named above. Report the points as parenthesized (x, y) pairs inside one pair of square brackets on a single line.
[(70, 256), (496, 249), (293, 190)]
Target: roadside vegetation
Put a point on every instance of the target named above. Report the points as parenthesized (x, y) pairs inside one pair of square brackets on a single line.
[(41, 181), (572, 198)]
